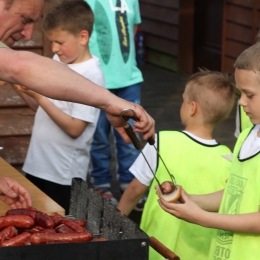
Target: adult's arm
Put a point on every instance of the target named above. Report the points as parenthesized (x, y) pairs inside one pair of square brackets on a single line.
[(13, 193), (55, 80)]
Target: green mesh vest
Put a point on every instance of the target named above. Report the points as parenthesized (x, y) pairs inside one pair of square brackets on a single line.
[(199, 168)]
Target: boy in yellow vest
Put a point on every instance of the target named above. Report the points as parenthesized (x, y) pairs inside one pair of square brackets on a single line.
[(193, 157), (238, 221)]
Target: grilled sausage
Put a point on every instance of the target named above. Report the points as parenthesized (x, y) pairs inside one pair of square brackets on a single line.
[(43, 238), (75, 227), (62, 228), (18, 221), (44, 220), (8, 233), (18, 240)]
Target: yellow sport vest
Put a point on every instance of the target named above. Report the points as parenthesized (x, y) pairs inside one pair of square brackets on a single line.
[(242, 195), (199, 168)]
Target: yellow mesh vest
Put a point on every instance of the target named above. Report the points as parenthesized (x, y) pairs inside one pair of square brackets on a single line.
[(242, 195), (199, 169)]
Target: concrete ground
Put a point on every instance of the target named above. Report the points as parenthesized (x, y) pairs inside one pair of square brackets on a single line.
[(161, 96)]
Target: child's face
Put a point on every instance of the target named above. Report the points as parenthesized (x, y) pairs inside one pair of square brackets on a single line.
[(248, 82), (66, 45)]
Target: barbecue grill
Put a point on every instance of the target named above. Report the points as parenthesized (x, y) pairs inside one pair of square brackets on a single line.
[(123, 238)]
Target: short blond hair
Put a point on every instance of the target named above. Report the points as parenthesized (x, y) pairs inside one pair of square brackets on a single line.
[(215, 94), (249, 59)]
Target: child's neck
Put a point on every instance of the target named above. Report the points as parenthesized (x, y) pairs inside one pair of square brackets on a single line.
[(204, 132), (84, 56)]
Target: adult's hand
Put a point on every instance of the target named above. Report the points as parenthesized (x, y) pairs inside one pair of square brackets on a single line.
[(144, 123), (13, 193)]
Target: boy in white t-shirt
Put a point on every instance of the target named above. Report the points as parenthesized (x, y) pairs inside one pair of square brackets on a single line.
[(63, 131), (193, 157)]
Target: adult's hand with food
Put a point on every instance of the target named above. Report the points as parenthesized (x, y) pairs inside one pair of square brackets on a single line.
[(14, 194)]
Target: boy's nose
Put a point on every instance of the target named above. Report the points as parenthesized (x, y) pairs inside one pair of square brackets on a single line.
[(242, 101)]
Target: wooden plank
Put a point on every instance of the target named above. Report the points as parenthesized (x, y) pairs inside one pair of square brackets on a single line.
[(240, 15), (163, 3), (186, 37), (229, 65), (16, 121), (161, 30), (234, 49), (245, 3), (14, 149), (166, 15), (9, 98), (162, 60), (239, 33), (161, 44)]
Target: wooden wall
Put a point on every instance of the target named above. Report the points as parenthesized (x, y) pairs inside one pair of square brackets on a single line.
[(16, 118), (160, 21), (240, 27)]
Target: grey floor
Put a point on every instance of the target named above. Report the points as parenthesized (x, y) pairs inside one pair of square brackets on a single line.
[(161, 96)]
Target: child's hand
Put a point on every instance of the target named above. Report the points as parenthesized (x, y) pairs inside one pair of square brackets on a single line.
[(188, 210), (28, 92)]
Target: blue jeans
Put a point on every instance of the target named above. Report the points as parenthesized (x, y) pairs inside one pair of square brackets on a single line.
[(101, 151)]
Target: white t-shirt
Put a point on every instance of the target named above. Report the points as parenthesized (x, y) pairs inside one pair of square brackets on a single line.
[(140, 168), (52, 154), (251, 146)]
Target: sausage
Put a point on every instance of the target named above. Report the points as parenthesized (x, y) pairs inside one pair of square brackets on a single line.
[(31, 230), (39, 217), (75, 227), (167, 187), (80, 222), (18, 221), (57, 218), (22, 211), (18, 240), (62, 228), (43, 238), (47, 231), (8, 233), (44, 220)]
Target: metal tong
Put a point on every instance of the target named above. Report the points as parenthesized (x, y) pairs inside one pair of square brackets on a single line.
[(138, 145)]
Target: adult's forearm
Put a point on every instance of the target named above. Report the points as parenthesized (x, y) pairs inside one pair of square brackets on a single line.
[(52, 79)]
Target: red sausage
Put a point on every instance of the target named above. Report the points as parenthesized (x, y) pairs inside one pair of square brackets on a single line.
[(44, 220), (22, 211), (18, 221), (18, 240), (8, 233), (62, 228), (57, 218), (43, 238), (32, 230), (72, 225), (80, 222), (47, 231)]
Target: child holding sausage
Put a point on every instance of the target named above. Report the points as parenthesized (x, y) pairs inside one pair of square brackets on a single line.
[(193, 157), (238, 218), (59, 149)]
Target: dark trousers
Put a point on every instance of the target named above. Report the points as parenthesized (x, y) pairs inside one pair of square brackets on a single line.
[(59, 193)]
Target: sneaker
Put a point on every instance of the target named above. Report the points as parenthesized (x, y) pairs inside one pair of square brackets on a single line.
[(109, 196), (139, 207)]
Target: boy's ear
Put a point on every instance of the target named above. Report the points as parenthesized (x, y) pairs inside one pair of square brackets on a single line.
[(194, 108), (84, 37)]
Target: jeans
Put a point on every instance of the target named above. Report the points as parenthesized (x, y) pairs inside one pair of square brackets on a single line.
[(101, 151)]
